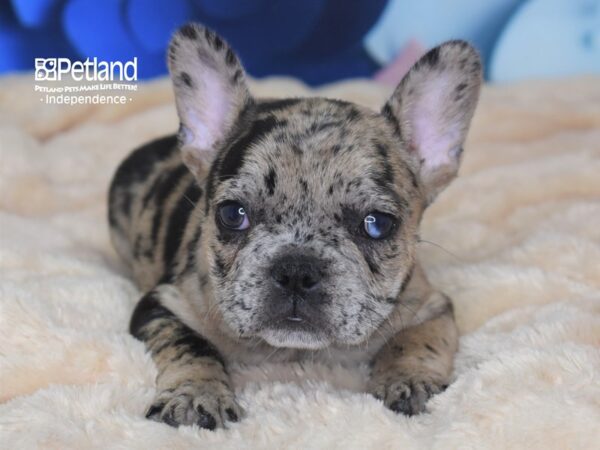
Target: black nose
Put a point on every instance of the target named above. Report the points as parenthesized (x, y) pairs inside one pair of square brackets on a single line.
[(297, 273)]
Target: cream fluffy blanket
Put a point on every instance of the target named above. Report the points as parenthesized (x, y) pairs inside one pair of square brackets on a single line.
[(517, 246)]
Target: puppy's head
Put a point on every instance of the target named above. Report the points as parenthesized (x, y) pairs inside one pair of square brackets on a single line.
[(312, 205)]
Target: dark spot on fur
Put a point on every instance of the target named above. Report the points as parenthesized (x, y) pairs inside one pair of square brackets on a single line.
[(234, 158), (387, 175), (162, 192), (431, 349), (126, 203), (218, 42), (188, 31), (192, 246), (230, 57), (383, 152), (185, 77), (407, 279), (399, 349), (169, 184), (231, 415), (270, 181), (431, 58), (276, 105), (151, 193), (413, 178), (388, 113), (303, 185), (459, 93), (219, 267), (318, 127), (373, 267), (208, 35), (178, 222), (448, 307), (229, 166), (191, 343), (203, 279), (353, 114), (154, 410), (173, 51), (205, 419), (147, 310), (237, 76), (140, 163)]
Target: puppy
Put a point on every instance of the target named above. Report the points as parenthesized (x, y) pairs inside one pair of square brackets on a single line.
[(290, 225)]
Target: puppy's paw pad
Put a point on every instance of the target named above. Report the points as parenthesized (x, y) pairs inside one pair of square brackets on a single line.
[(408, 397), (200, 405)]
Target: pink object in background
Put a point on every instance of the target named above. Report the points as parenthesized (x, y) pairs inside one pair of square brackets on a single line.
[(394, 71)]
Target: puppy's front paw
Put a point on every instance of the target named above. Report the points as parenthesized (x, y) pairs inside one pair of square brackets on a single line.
[(404, 394), (208, 404)]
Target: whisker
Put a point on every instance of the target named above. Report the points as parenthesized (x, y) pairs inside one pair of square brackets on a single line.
[(414, 313), (442, 248), (270, 355), (189, 200), (377, 329)]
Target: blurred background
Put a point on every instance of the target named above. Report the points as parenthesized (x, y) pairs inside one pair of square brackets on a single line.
[(317, 41)]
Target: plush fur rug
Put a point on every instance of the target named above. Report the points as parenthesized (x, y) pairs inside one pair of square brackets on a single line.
[(515, 241)]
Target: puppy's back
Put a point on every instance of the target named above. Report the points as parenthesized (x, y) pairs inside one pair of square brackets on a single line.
[(145, 192)]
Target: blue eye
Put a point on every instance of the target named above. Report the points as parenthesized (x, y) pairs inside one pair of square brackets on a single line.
[(378, 225), (232, 215)]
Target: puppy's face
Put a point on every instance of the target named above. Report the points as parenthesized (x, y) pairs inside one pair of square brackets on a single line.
[(312, 205), (313, 217)]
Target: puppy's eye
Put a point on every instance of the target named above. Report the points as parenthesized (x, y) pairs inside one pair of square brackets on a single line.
[(232, 215), (378, 225)]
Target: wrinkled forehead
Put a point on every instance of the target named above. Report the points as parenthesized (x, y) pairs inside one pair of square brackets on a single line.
[(312, 149)]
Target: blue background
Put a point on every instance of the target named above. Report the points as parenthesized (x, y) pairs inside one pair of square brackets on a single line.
[(318, 41)]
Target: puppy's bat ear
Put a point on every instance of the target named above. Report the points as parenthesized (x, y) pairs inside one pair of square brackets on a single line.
[(210, 92), (432, 108)]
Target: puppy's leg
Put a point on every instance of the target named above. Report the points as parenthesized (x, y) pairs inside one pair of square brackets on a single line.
[(417, 362), (192, 384)]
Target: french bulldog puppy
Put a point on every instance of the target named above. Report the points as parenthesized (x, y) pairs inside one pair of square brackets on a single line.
[(289, 228)]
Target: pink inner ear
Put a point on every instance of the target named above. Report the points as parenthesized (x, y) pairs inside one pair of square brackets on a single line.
[(434, 135), (207, 113)]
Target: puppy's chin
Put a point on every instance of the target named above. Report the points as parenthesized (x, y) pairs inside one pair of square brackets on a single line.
[(295, 339)]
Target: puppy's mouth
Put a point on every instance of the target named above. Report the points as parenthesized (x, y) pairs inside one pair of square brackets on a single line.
[(295, 330)]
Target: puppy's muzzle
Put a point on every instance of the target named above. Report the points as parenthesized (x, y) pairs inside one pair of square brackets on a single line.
[(297, 278)]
